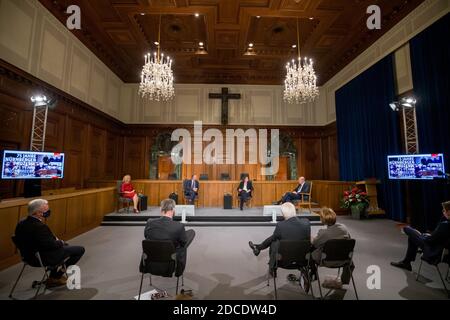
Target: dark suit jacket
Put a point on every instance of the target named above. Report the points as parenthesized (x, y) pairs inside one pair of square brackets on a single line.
[(34, 236), (306, 189), (437, 241), (187, 187), (249, 186), (166, 229), (294, 229)]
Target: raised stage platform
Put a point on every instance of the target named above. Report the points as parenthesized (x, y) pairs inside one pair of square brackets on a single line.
[(206, 217)]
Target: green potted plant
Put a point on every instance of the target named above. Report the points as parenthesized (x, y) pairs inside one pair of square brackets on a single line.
[(357, 201)]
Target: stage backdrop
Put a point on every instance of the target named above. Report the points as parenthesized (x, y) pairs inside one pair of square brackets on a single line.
[(431, 68), (368, 131)]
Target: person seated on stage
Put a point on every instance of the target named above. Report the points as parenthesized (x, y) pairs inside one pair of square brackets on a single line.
[(431, 244), (333, 231), (165, 228), (128, 191), (191, 189), (245, 190), (291, 228), (33, 235), (303, 187)]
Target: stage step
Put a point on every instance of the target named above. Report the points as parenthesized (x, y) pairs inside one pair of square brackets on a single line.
[(203, 224), (205, 217)]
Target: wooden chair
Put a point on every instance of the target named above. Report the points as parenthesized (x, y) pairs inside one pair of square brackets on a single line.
[(247, 203), (306, 200)]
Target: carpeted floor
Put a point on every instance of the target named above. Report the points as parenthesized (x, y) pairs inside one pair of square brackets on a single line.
[(221, 266)]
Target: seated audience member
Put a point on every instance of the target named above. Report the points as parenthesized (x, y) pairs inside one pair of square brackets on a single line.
[(33, 235), (245, 190), (333, 231), (165, 228), (128, 191), (303, 187), (291, 228), (431, 244), (191, 189)]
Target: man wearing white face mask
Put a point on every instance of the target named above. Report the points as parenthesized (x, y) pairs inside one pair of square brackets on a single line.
[(33, 235)]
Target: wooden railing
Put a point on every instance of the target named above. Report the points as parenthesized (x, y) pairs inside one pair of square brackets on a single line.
[(325, 193)]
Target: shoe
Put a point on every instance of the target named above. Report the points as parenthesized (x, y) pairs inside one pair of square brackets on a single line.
[(402, 265), (135, 211), (256, 251), (53, 282)]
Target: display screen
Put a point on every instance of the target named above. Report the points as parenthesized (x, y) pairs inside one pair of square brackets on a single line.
[(32, 165), (416, 166)]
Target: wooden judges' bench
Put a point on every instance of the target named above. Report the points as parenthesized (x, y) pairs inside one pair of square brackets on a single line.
[(326, 193), (72, 214)]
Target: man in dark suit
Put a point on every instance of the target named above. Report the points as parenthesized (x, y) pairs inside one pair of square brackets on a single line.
[(245, 190), (292, 228), (33, 235), (431, 244), (165, 228), (302, 187), (191, 189)]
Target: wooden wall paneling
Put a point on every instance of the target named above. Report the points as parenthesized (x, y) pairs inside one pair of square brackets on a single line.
[(134, 157), (269, 195), (57, 221), (74, 219), (311, 158), (10, 217), (89, 205)]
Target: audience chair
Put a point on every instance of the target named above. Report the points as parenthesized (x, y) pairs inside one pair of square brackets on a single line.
[(35, 262), (204, 177), (337, 254), (159, 259), (122, 200), (225, 177), (306, 200), (292, 255), (444, 259)]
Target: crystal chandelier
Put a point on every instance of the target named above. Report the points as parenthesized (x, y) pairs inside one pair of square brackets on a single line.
[(157, 76), (300, 83)]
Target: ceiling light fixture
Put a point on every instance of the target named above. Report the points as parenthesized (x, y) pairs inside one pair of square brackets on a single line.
[(197, 15), (157, 76), (300, 85)]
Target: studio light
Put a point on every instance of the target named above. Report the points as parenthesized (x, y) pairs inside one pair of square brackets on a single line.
[(39, 100)]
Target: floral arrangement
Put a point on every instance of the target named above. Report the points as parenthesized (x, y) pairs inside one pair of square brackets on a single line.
[(354, 197)]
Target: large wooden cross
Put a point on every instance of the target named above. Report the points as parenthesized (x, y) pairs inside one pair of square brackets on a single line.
[(224, 96)]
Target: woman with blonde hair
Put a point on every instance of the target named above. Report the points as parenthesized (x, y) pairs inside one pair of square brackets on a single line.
[(128, 191)]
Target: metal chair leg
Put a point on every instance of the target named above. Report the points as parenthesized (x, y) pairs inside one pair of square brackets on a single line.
[(418, 272), (354, 287), (318, 282), (446, 277), (443, 282), (140, 287), (182, 281), (151, 284), (178, 280), (275, 285), (310, 284), (40, 284), (268, 278), (17, 281)]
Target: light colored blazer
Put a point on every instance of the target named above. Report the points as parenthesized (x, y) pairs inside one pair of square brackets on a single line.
[(336, 231)]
